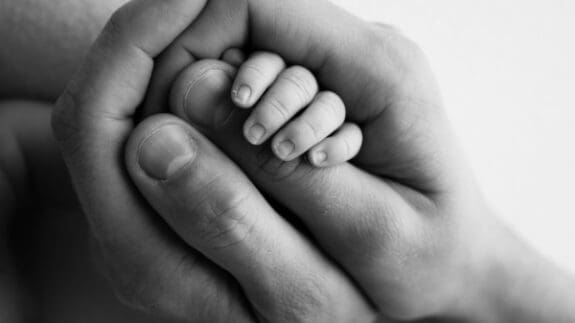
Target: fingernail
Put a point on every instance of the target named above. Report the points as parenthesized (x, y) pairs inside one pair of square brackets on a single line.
[(319, 157), (256, 133), (284, 149), (165, 152), (242, 94), (206, 98)]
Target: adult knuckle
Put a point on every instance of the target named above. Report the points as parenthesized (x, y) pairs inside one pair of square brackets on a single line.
[(383, 35), (116, 23), (391, 44), (225, 221)]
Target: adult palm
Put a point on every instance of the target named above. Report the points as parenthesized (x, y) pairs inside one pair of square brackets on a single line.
[(404, 221), (399, 218)]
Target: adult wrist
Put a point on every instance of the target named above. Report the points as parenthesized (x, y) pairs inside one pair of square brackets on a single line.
[(520, 285)]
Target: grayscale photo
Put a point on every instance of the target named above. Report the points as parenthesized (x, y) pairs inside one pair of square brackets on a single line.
[(283, 161)]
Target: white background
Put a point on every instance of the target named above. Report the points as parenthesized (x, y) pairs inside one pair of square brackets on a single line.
[(507, 71)]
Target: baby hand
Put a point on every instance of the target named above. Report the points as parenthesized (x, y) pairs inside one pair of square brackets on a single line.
[(288, 105)]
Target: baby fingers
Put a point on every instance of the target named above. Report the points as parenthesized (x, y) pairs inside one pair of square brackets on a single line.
[(323, 116)]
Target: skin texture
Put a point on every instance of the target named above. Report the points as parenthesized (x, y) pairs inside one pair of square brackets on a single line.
[(413, 200), (288, 106), (153, 269), (125, 48)]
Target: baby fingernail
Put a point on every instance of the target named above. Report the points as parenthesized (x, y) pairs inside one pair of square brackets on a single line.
[(284, 149), (242, 94), (319, 157), (255, 134)]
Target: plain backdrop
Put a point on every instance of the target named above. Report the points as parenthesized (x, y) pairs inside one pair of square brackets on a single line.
[(507, 72)]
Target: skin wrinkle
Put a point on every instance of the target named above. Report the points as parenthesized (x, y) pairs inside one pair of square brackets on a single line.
[(213, 300), (295, 76), (392, 208), (109, 157), (200, 204), (232, 208), (314, 129), (217, 219), (277, 14), (279, 107)]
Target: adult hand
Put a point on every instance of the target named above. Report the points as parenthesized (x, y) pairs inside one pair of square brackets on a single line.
[(235, 259), (406, 221)]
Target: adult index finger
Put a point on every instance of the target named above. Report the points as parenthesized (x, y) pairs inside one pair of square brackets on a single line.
[(92, 121), (92, 118), (316, 34)]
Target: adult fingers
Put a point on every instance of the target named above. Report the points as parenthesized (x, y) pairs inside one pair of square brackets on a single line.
[(92, 121), (327, 200), (382, 77), (316, 34), (213, 207), (221, 26)]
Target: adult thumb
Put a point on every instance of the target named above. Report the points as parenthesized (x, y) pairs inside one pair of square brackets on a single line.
[(350, 212)]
